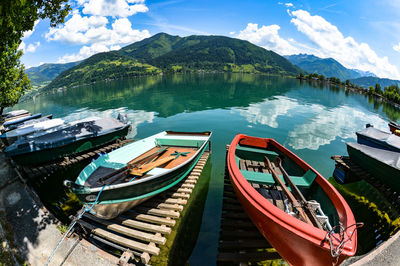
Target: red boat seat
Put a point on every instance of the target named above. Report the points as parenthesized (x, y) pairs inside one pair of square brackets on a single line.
[(266, 179)]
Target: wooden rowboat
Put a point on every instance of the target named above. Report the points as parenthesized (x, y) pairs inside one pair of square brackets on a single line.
[(299, 227), (128, 176)]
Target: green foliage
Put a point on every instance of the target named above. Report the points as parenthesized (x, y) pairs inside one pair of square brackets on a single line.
[(166, 53), (378, 88), (13, 80), (44, 74), (16, 17)]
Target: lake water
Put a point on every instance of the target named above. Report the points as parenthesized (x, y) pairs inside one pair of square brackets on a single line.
[(313, 121)]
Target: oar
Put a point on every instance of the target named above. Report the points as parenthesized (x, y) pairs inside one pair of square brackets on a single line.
[(311, 214), (144, 168), (287, 192), (130, 165)]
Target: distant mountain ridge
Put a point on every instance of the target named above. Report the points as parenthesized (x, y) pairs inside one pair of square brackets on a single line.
[(328, 67), (371, 81), (43, 74), (166, 53)]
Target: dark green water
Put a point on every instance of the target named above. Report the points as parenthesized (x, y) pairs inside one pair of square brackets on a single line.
[(313, 121)]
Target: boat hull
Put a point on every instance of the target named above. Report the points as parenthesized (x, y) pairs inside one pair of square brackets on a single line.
[(112, 200), (297, 242), (47, 155), (380, 170)]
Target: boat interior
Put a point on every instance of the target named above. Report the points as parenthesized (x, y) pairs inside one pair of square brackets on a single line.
[(252, 164), (167, 154)]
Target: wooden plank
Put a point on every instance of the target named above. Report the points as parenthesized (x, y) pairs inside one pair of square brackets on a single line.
[(178, 195), (123, 241), (185, 185), (237, 223), (247, 257), (239, 244), (147, 167), (143, 226), (175, 201), (191, 181), (161, 205), (158, 212), (127, 231), (240, 234), (150, 218), (184, 190)]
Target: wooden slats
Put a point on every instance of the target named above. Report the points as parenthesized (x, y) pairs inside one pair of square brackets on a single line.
[(149, 224), (239, 239)]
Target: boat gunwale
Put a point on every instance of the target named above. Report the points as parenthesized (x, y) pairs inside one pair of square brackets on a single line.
[(145, 179), (300, 228)]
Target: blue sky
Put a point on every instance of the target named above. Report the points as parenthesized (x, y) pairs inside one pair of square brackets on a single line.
[(359, 34)]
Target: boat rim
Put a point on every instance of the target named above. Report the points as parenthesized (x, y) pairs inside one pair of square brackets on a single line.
[(307, 231)]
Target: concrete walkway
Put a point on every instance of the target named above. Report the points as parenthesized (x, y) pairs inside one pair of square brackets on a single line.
[(35, 233)]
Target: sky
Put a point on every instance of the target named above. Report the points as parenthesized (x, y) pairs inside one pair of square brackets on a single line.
[(362, 35)]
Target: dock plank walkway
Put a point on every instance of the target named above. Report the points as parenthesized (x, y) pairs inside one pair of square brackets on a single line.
[(141, 231), (239, 239)]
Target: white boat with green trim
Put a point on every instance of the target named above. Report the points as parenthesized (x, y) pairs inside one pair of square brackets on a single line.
[(128, 176)]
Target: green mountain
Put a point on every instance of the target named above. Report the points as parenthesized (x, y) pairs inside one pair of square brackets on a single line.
[(328, 67), (43, 74), (163, 53), (371, 81)]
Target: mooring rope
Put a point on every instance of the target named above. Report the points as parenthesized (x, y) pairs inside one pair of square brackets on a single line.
[(74, 221), (78, 217), (337, 251)]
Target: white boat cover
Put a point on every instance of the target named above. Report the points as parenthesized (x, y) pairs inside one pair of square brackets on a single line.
[(29, 122), (382, 137), (70, 132), (29, 129), (14, 113), (20, 120), (391, 158)]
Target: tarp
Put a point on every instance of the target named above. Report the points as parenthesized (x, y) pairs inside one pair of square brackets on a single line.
[(378, 137), (28, 123), (71, 132), (20, 120), (36, 127), (14, 113), (391, 158)]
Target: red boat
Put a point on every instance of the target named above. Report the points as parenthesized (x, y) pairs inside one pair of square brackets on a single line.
[(298, 227)]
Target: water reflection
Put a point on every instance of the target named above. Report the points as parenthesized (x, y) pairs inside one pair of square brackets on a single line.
[(329, 124)]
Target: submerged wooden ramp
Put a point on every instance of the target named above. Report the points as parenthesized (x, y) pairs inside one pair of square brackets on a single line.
[(43, 171), (358, 173), (139, 233), (239, 239)]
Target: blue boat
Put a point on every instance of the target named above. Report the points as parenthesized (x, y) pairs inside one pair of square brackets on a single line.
[(21, 120), (376, 138)]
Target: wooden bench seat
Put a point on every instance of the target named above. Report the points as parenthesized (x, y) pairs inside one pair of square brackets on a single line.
[(266, 179), (254, 153)]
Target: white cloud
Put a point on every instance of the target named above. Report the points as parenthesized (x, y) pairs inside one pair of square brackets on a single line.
[(397, 47), (289, 4), (329, 124), (267, 112), (330, 42), (267, 37), (32, 47), (115, 8), (95, 35), (232, 32)]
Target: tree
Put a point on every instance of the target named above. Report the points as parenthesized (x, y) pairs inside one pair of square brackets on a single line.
[(16, 17), (378, 88)]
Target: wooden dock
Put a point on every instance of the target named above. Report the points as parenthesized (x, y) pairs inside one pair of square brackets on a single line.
[(239, 239), (139, 233), (46, 170), (356, 171)]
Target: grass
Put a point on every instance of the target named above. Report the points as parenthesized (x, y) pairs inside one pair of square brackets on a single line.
[(381, 219), (181, 241)]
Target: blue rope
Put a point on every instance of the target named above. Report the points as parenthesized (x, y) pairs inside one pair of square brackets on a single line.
[(79, 216)]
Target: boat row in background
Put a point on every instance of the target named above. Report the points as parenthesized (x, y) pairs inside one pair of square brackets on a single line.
[(378, 153), (32, 139)]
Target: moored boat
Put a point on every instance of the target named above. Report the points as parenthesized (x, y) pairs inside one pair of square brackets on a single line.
[(296, 221), (28, 123), (13, 114), (126, 177), (381, 164), (44, 126), (376, 138), (19, 120), (394, 128), (73, 137)]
